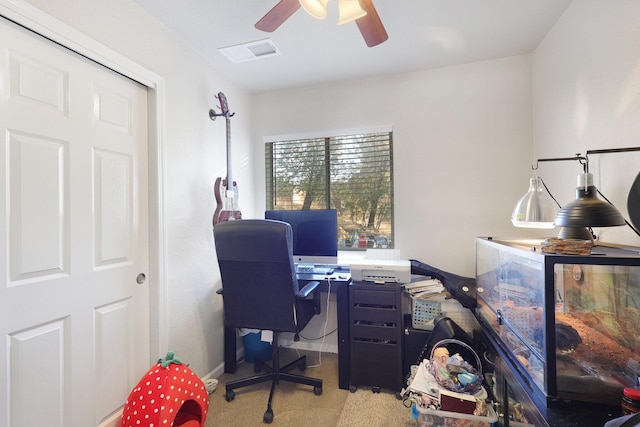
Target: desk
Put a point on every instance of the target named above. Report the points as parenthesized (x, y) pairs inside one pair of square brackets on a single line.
[(340, 281)]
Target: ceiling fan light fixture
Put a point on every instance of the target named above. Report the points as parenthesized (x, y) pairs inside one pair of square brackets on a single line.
[(350, 10), (315, 8)]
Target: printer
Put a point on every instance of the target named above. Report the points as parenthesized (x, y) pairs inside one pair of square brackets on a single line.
[(381, 271)]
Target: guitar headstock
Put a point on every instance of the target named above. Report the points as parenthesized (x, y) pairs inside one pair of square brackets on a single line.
[(224, 108)]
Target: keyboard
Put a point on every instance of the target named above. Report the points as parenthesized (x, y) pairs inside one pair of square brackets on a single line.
[(325, 270)]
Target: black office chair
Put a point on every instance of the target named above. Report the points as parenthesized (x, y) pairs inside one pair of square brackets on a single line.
[(260, 291)]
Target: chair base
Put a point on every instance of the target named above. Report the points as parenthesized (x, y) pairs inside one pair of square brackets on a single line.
[(275, 374)]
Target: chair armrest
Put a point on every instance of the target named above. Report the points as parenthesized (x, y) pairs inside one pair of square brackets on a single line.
[(306, 291)]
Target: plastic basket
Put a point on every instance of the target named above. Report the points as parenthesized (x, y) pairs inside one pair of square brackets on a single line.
[(464, 363), (432, 417), (424, 310)]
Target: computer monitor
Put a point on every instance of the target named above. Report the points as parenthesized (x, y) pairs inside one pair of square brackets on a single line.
[(315, 234)]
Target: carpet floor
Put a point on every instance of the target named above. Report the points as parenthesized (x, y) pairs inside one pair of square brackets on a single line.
[(296, 405)]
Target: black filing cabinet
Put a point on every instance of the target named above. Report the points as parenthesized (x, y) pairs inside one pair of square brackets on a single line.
[(376, 336)]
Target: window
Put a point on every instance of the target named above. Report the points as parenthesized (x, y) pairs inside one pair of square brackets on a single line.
[(352, 174)]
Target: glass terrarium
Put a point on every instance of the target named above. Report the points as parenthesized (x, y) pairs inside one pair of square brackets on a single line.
[(569, 323)]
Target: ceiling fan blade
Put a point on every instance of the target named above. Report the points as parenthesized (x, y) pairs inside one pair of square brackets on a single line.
[(277, 15), (370, 25)]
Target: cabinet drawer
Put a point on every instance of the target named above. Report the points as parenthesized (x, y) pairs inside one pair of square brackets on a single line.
[(376, 364), (376, 354), (375, 332), (374, 314), (380, 298)]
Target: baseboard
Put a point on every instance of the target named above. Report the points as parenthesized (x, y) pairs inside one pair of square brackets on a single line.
[(219, 370), (114, 420)]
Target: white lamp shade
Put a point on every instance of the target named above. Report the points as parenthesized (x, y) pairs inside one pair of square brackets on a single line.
[(315, 8), (350, 10), (535, 209)]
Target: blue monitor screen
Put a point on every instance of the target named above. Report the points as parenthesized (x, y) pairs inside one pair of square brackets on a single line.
[(315, 234)]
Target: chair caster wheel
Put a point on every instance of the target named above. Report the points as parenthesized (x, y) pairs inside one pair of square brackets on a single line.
[(352, 388), (317, 391), (268, 416), (375, 389), (230, 395), (256, 368)]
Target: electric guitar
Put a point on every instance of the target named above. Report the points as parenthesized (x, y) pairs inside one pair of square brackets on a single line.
[(225, 190)]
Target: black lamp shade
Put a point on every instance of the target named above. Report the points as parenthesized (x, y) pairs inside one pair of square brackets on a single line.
[(633, 202), (588, 211), (575, 233)]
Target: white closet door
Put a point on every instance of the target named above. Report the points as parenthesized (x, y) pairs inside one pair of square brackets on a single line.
[(74, 321)]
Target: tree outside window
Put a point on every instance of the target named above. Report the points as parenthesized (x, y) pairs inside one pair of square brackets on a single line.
[(352, 174)]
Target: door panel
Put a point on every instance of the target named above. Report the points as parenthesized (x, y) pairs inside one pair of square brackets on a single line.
[(37, 206), (73, 208)]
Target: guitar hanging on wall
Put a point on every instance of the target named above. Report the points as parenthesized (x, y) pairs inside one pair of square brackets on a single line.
[(227, 206)]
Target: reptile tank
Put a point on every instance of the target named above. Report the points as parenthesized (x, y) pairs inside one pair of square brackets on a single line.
[(570, 324)]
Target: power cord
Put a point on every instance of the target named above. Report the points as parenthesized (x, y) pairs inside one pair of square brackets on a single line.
[(320, 337), (625, 220), (326, 322)]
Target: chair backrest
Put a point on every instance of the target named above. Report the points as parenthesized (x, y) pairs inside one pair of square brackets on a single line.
[(258, 274)]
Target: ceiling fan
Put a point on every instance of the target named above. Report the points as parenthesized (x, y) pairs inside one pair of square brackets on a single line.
[(368, 22)]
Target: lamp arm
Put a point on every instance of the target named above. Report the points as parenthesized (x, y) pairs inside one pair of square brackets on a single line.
[(613, 150), (582, 159)]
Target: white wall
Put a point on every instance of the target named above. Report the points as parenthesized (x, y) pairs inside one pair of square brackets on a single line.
[(461, 135), (194, 157), (586, 86)]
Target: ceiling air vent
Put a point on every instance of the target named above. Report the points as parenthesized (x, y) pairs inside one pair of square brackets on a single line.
[(250, 51)]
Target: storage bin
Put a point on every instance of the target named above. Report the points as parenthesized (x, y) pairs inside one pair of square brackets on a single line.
[(426, 309), (464, 317), (255, 347), (435, 418)]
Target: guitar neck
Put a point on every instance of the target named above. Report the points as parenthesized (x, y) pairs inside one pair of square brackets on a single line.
[(229, 177)]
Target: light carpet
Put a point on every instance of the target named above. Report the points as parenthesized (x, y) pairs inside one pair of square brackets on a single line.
[(296, 405), (365, 408)]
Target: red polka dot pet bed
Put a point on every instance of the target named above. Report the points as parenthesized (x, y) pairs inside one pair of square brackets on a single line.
[(169, 394)]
